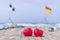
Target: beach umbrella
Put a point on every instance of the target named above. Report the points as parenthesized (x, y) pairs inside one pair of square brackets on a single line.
[(27, 32), (38, 32)]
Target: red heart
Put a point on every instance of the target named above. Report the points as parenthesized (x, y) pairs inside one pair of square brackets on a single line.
[(38, 32), (27, 32)]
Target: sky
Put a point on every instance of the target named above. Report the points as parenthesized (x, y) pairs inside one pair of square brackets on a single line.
[(29, 11)]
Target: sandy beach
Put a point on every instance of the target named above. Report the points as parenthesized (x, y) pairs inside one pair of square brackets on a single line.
[(16, 34)]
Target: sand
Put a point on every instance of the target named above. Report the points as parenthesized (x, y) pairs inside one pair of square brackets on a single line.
[(16, 34)]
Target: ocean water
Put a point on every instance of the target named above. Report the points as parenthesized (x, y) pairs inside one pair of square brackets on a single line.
[(31, 24)]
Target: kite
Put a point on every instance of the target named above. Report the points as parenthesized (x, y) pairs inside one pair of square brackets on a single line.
[(10, 5), (13, 9), (48, 10)]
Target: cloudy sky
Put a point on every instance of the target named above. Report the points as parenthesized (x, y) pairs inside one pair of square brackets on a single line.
[(30, 11)]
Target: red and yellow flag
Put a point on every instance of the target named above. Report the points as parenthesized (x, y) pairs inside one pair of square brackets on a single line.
[(48, 10)]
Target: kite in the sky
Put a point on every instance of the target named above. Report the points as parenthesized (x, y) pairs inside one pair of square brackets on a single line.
[(13, 9), (48, 10), (10, 5)]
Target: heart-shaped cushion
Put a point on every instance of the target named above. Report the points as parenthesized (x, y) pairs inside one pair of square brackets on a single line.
[(38, 32), (27, 32)]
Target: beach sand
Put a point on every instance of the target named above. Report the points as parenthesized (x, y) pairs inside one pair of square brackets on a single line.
[(16, 34)]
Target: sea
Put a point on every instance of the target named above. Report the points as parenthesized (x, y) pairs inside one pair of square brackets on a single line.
[(31, 24)]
